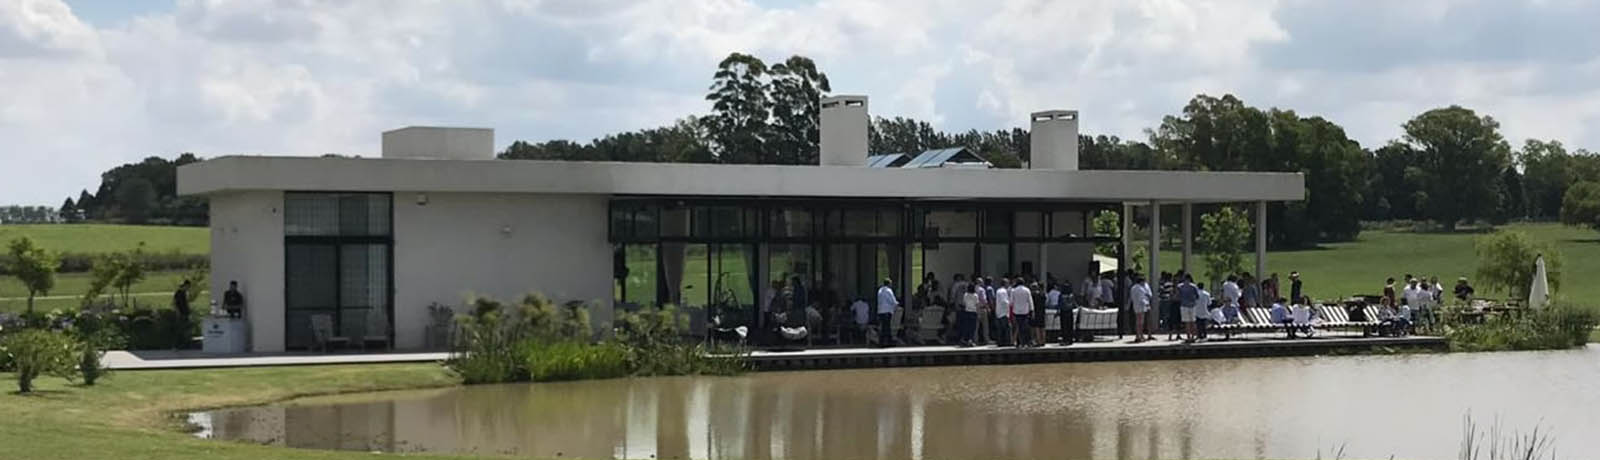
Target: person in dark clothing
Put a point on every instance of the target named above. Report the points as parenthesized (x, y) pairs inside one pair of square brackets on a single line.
[(1294, 285), (233, 301), (180, 303)]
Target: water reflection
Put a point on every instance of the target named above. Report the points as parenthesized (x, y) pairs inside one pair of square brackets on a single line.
[(1409, 406)]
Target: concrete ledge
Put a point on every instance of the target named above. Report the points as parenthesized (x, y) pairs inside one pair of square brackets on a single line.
[(150, 360), (943, 355)]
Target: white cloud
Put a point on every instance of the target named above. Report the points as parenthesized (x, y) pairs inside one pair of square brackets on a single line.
[(305, 78)]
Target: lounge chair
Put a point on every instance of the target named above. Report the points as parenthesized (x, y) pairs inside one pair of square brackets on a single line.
[(1091, 320)]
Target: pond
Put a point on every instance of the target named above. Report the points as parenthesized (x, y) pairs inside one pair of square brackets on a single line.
[(1406, 406)]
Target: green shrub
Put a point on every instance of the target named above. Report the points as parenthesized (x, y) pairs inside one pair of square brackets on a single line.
[(486, 344), (575, 361), (1557, 327), (37, 352)]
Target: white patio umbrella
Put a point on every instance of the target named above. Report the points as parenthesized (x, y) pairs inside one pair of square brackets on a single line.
[(1539, 293)]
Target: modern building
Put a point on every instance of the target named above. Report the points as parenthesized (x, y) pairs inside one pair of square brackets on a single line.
[(370, 244)]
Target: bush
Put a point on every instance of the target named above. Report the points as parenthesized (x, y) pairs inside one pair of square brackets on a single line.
[(575, 361), (37, 352), (538, 341), (1554, 328)]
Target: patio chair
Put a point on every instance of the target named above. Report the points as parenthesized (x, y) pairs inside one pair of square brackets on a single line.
[(376, 330), (322, 333)]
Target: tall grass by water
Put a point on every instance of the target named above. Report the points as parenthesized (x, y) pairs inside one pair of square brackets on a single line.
[(535, 340)]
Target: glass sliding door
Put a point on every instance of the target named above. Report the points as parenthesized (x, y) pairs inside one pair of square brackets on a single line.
[(337, 252)]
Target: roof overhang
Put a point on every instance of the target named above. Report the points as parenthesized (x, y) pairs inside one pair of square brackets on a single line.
[(246, 173)]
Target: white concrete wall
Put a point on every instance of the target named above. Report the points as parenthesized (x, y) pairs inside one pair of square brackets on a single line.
[(498, 245), (247, 246), (439, 143), (605, 178)]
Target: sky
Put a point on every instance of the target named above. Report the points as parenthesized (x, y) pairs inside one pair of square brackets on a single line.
[(87, 85)]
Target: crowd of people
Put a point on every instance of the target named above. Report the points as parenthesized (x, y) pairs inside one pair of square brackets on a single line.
[(1024, 311)]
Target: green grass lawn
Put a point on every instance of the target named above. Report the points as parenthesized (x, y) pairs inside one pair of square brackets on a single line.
[(134, 414), (103, 238), (1360, 267), (158, 284)]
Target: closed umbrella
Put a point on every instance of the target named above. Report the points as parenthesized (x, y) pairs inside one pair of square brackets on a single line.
[(1539, 293)]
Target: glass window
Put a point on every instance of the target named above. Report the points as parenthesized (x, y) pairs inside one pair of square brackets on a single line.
[(722, 222), (312, 276), (789, 223), (310, 214), (953, 223), (639, 283), (1030, 224), (997, 223), (1066, 224), (336, 214), (621, 222), (695, 287), (674, 221)]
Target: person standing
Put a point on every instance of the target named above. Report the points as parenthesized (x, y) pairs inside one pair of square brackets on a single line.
[(1037, 316), (233, 300), (1295, 291), (1002, 315), (1021, 308), (1139, 299), (180, 303), (886, 306), (1189, 307), (958, 290), (967, 318), (1168, 308), (1269, 288), (1089, 293), (1388, 292), (1202, 311), (1250, 291), (1052, 306), (1230, 299)]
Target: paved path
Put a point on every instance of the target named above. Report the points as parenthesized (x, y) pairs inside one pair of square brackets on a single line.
[(190, 359)]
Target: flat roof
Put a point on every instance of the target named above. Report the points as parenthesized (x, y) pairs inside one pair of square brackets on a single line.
[(245, 173)]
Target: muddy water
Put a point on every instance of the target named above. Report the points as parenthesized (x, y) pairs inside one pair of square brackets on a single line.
[(1377, 406)]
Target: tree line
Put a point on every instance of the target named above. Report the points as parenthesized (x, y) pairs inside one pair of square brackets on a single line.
[(145, 192), (1450, 166)]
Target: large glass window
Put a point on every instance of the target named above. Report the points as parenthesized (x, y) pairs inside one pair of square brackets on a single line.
[(336, 266)]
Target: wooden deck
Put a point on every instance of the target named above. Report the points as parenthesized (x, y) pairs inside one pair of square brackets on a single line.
[(944, 355)]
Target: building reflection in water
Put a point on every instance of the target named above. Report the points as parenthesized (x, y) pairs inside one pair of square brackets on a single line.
[(1200, 409)]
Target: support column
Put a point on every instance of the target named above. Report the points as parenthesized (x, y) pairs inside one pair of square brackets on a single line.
[(1188, 236), (1154, 270), (1261, 240)]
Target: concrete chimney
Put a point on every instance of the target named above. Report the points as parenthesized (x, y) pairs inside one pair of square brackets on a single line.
[(844, 131), (439, 143), (1053, 140)]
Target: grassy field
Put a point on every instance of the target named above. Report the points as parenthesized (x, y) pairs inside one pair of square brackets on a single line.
[(156, 290), (103, 238), (1360, 267), (99, 239), (131, 415)]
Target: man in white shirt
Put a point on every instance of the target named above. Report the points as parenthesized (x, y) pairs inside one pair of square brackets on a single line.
[(985, 301), (886, 306), (1002, 314), (1021, 308), (1139, 298)]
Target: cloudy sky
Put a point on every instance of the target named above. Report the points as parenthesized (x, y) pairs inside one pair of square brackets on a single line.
[(86, 85)]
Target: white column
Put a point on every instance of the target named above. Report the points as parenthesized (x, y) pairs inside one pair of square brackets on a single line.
[(1261, 240), (1155, 243), (1188, 235)]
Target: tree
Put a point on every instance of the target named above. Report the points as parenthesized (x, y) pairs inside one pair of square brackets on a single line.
[(797, 88), (1106, 223), (136, 200), (1459, 160), (1223, 235), (1581, 205), (1547, 171), (34, 266), (740, 108), (1506, 261), (68, 211)]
